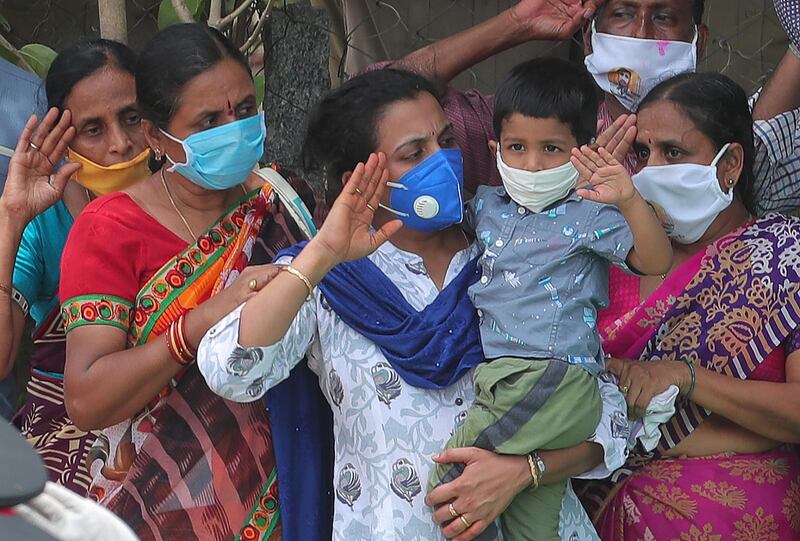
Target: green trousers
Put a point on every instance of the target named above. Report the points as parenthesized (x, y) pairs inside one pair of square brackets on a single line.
[(524, 405)]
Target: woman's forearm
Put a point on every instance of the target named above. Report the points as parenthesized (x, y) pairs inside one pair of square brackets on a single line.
[(268, 315), (769, 409), (13, 323)]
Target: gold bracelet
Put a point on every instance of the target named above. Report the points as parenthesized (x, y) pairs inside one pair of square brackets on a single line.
[(534, 473), (6, 289), (297, 274)]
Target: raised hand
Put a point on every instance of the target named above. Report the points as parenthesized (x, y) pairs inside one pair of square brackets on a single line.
[(604, 177), (31, 186), (553, 19), (618, 137), (346, 234)]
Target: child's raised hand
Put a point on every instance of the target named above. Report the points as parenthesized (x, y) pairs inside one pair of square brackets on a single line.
[(605, 180)]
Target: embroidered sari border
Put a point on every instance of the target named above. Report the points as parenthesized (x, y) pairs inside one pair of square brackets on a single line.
[(178, 275), (96, 310)]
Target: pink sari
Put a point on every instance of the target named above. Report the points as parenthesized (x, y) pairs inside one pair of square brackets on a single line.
[(730, 309)]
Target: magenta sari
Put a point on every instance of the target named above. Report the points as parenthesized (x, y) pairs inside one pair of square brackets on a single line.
[(733, 309)]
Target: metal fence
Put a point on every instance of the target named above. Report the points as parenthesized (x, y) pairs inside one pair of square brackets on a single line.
[(747, 41)]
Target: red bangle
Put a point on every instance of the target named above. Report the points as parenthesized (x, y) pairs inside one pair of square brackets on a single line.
[(179, 355), (184, 342)]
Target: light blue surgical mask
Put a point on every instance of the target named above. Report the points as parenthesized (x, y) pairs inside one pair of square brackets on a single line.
[(429, 196), (220, 158)]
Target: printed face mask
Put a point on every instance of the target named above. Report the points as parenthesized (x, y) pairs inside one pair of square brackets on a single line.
[(103, 179), (537, 190), (222, 157), (687, 196), (629, 68), (429, 196)]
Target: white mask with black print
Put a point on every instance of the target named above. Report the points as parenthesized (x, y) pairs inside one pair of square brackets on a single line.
[(629, 68), (687, 196)]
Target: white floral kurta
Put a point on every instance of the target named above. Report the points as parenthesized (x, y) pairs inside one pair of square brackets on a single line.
[(385, 430)]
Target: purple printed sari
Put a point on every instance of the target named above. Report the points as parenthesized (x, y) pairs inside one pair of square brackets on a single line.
[(733, 309)]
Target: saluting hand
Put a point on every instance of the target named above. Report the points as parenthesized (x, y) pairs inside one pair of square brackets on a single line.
[(604, 178), (347, 234), (31, 187), (553, 19)]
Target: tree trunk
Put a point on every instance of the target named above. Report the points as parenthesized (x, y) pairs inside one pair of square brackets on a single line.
[(113, 20)]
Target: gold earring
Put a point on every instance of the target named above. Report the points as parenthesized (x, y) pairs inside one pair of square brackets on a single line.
[(731, 182)]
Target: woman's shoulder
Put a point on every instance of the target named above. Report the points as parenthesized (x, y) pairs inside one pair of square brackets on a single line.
[(116, 211), (55, 221)]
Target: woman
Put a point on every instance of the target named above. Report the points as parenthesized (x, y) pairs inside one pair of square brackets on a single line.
[(721, 327), (92, 82), (142, 281), (392, 410)]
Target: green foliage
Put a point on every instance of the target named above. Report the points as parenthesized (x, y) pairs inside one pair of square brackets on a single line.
[(4, 25), (167, 15), (38, 57), (260, 83)]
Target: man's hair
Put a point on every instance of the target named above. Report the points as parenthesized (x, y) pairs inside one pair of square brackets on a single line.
[(549, 88)]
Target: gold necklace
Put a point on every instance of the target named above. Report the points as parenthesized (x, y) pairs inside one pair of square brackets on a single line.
[(171, 200)]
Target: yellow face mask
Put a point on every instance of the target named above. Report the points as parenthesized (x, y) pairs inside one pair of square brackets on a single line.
[(101, 179)]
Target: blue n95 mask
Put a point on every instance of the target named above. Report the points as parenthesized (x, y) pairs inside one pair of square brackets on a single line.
[(429, 197), (220, 158)]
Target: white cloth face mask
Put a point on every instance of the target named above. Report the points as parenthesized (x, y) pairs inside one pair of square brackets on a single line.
[(629, 68), (688, 196), (537, 190)]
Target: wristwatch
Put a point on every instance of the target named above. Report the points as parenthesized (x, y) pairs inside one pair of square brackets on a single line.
[(539, 463)]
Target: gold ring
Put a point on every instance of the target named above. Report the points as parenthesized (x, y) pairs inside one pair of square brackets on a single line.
[(453, 512), (253, 284), (624, 389), (358, 191), (33, 146), (465, 521), (370, 207)]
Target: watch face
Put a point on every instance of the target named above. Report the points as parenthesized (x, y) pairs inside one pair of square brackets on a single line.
[(539, 463)]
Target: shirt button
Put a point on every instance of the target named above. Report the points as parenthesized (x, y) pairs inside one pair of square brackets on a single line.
[(484, 279), (499, 243), (480, 313), (459, 402), (521, 210)]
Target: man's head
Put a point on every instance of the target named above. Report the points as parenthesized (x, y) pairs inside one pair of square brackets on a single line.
[(673, 20)]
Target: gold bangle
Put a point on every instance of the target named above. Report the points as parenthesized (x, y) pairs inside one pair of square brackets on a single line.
[(6, 289), (534, 473), (297, 274)]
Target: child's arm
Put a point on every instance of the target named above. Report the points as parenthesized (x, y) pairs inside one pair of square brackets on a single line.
[(611, 184)]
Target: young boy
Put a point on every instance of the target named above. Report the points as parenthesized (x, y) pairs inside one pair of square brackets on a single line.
[(544, 274)]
